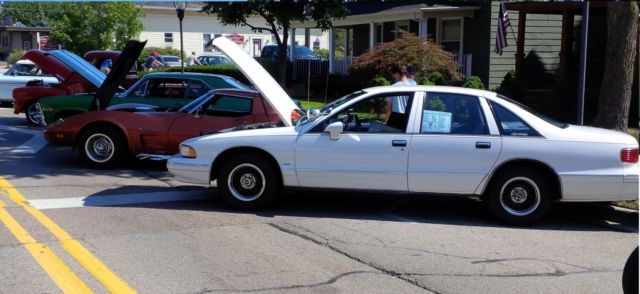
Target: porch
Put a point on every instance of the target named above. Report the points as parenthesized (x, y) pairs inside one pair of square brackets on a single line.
[(355, 34)]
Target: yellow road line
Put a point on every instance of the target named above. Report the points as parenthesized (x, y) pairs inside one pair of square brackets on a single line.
[(92, 264), (61, 275)]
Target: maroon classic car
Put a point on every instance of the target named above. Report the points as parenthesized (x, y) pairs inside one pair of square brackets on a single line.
[(107, 136)]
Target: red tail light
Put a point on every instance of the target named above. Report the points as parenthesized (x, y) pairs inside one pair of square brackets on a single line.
[(629, 155), (295, 115)]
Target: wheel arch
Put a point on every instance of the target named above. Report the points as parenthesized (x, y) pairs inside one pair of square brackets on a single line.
[(217, 162), (102, 123), (545, 168)]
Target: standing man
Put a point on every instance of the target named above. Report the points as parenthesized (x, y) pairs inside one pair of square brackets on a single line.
[(154, 61), (192, 60), (396, 106)]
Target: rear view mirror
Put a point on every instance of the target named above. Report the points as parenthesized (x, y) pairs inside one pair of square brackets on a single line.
[(334, 130)]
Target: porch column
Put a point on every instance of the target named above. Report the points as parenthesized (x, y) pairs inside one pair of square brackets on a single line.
[(422, 28), (565, 44), (307, 37), (292, 45), (332, 49), (522, 20), (346, 42), (372, 35)]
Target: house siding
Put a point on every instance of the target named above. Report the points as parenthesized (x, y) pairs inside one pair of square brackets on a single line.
[(156, 22), (542, 47), (477, 42)]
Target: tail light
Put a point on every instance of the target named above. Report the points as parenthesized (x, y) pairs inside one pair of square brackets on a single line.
[(629, 155), (295, 115)]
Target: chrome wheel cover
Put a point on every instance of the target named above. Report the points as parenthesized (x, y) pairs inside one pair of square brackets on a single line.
[(246, 182), (99, 148), (520, 196), (35, 114)]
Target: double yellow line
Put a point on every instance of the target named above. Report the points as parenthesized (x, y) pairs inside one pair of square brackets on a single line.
[(61, 275)]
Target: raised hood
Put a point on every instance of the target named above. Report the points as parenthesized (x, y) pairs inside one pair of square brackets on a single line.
[(260, 78), (81, 66)]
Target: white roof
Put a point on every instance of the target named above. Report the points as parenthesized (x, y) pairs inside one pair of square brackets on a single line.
[(446, 89)]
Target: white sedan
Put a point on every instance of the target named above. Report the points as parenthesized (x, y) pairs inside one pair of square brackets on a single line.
[(18, 75), (435, 140)]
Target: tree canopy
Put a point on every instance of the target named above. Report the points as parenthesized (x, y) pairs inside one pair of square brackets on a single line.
[(81, 26), (278, 17)]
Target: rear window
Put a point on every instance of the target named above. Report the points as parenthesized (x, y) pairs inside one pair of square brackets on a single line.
[(510, 124)]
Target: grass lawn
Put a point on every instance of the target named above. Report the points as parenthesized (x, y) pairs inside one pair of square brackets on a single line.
[(311, 104)]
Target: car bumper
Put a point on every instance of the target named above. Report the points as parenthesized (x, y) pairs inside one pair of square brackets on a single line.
[(190, 170), (601, 185)]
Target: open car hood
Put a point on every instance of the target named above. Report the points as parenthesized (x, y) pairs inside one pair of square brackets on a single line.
[(260, 78), (80, 66)]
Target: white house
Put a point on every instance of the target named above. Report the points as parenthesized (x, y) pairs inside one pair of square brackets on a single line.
[(161, 29)]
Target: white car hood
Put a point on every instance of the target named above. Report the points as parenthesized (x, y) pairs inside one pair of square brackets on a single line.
[(591, 134), (265, 84)]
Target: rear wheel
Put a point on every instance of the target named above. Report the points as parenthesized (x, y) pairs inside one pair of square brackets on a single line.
[(248, 181), (102, 146), (519, 196), (34, 114)]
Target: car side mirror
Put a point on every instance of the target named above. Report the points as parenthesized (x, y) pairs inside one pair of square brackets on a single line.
[(334, 130)]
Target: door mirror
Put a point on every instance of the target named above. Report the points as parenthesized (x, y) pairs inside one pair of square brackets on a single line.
[(313, 113), (334, 130)]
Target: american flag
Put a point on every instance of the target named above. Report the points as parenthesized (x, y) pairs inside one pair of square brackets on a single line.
[(501, 31)]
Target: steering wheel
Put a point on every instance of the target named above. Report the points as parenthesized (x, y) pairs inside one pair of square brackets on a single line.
[(348, 118)]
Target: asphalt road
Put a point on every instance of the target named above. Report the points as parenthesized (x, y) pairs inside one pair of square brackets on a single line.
[(66, 226)]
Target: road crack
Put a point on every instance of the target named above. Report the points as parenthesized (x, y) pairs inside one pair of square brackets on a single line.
[(327, 244)]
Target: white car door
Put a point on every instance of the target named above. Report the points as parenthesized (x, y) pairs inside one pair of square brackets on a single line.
[(455, 144), (370, 154)]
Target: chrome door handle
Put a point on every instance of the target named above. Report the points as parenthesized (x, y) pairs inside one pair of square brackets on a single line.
[(399, 143), (483, 145)]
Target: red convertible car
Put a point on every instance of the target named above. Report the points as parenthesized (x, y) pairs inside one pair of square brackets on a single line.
[(107, 136)]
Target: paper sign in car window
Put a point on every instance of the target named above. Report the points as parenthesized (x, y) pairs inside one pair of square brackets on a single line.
[(436, 122)]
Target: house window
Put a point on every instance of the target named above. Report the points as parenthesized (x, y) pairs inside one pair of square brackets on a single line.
[(451, 35), (316, 44), (168, 37), (206, 38)]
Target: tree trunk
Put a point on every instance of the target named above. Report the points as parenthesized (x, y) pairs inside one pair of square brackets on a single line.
[(282, 57), (615, 91)]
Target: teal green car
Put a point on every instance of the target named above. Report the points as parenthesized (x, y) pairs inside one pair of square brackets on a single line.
[(165, 90)]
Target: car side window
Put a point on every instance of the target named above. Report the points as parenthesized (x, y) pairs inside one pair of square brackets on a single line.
[(229, 106), (166, 88), (510, 124), (450, 113), (197, 89), (387, 113)]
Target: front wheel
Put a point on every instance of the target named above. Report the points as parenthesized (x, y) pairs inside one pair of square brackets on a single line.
[(519, 196), (248, 181), (102, 146), (34, 115)]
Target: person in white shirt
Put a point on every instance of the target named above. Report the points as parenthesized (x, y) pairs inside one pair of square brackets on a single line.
[(192, 60), (396, 106)]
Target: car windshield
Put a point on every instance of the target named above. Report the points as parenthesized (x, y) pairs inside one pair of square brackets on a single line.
[(552, 121), (329, 107)]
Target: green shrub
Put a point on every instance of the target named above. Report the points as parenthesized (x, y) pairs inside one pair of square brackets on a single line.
[(322, 52), (511, 86), (15, 56), (227, 70), (437, 78), (147, 51), (425, 81), (474, 82), (380, 81), (425, 56)]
